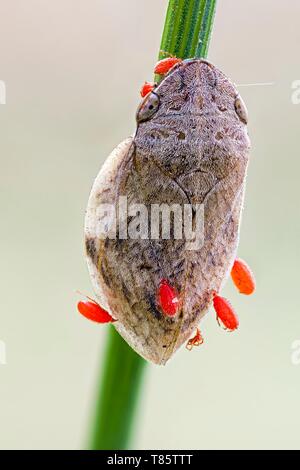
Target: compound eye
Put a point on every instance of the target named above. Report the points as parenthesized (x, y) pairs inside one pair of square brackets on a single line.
[(148, 107)]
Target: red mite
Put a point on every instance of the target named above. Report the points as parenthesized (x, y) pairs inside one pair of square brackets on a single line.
[(168, 298), (225, 313), (164, 65), (242, 277), (195, 341), (94, 312), (146, 88)]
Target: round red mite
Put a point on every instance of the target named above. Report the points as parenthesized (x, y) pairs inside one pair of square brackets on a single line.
[(164, 65), (94, 312), (168, 298), (146, 88), (225, 313), (242, 277)]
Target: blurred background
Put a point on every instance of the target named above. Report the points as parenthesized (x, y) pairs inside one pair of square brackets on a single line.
[(73, 70)]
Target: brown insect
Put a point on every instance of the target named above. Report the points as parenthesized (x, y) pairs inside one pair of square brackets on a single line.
[(190, 148)]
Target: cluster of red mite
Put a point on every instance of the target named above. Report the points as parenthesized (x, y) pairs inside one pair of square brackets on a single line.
[(169, 303), (167, 297)]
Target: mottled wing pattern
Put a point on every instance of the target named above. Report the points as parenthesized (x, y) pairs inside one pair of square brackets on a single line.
[(193, 149)]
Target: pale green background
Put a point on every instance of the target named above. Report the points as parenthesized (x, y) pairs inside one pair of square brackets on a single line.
[(73, 69)]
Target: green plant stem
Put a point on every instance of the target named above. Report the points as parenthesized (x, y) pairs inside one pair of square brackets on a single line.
[(187, 29), (186, 34), (121, 381)]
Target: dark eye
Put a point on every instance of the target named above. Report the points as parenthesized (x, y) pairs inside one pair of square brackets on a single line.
[(148, 107)]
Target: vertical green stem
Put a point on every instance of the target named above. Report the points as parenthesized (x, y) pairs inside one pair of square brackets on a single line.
[(186, 34), (187, 29), (119, 391)]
